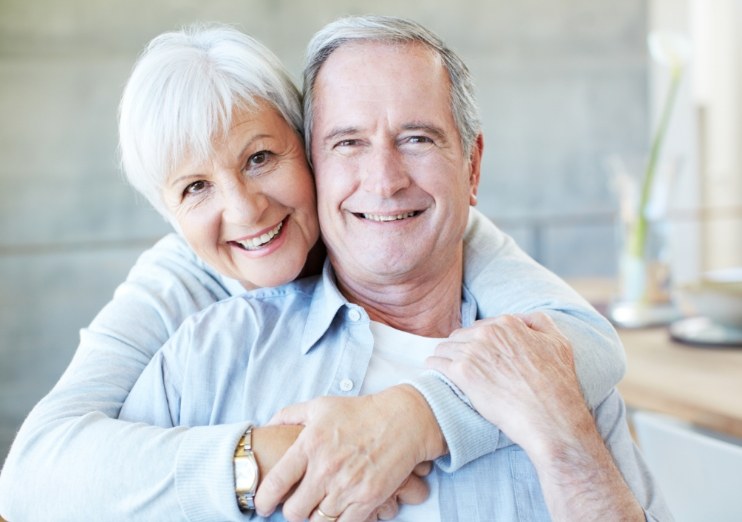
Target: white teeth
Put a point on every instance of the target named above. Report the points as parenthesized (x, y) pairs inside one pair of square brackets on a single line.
[(257, 242), (375, 217)]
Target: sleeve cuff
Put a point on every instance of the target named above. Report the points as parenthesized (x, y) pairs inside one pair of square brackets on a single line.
[(204, 475), (467, 434)]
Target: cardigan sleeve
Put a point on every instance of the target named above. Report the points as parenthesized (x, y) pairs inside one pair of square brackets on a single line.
[(505, 280), (72, 459)]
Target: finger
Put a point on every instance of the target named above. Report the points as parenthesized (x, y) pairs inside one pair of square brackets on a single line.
[(302, 502), (440, 364), (294, 414), (423, 468), (356, 512), (279, 481), (388, 510), (539, 321), (414, 491), (320, 515), (449, 348)]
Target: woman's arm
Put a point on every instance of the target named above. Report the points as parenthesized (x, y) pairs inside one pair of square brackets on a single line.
[(174, 389), (73, 460), (526, 383), (70, 433), (505, 280), (70, 444)]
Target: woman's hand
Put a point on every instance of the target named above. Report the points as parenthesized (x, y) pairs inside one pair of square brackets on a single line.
[(518, 372), (354, 458)]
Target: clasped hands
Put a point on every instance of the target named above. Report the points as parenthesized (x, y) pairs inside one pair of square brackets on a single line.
[(357, 459)]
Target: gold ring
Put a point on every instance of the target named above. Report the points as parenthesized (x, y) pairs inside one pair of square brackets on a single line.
[(326, 516)]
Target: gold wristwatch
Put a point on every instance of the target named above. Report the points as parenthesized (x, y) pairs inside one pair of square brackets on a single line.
[(245, 473)]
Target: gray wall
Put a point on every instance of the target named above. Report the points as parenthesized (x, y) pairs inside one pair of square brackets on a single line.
[(562, 84)]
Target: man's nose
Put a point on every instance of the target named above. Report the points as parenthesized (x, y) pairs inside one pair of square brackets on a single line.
[(384, 171)]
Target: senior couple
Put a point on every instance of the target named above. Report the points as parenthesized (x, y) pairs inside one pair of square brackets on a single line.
[(326, 398)]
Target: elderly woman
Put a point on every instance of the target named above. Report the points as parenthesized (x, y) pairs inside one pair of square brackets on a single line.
[(211, 134)]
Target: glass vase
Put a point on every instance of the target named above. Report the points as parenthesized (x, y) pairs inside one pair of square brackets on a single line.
[(644, 296)]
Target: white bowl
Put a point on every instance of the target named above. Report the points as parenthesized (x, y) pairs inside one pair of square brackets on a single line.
[(717, 295)]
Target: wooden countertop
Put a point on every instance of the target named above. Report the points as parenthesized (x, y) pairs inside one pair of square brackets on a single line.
[(699, 384)]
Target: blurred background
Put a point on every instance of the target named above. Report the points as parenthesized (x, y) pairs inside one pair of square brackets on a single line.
[(563, 86)]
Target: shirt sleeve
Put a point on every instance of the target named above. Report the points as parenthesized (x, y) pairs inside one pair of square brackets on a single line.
[(504, 280), (155, 397), (72, 460)]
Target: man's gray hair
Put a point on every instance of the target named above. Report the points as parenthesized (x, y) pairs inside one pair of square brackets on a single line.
[(392, 30), (181, 96)]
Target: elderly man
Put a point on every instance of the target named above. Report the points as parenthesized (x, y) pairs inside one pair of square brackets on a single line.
[(396, 170)]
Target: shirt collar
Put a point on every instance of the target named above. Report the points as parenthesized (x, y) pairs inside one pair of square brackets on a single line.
[(468, 307), (327, 301)]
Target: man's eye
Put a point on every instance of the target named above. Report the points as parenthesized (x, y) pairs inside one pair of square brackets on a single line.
[(419, 139)]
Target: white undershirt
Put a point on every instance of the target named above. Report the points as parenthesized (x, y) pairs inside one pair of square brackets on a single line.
[(399, 356)]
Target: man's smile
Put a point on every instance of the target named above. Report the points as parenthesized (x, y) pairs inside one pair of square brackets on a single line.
[(388, 217)]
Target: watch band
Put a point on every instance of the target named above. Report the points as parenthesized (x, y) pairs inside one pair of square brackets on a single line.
[(246, 472)]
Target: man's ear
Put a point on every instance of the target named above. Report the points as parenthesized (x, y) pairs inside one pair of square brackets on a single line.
[(475, 168)]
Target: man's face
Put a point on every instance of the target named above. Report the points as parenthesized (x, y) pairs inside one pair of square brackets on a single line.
[(393, 182)]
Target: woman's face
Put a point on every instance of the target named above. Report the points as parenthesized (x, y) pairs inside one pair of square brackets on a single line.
[(250, 210)]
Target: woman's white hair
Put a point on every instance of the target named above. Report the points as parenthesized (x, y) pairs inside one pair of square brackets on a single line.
[(181, 95), (389, 29)]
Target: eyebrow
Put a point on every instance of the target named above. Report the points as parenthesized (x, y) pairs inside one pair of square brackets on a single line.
[(180, 179), (252, 140), (430, 128), (339, 132)]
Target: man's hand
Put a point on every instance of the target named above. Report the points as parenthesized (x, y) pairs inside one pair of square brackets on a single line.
[(352, 456)]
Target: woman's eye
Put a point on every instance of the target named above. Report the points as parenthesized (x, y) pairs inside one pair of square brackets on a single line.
[(258, 159), (195, 188)]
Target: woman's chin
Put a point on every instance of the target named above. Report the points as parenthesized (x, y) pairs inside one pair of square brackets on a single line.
[(275, 276)]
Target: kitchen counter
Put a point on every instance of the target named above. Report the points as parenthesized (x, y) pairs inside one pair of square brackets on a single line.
[(699, 384)]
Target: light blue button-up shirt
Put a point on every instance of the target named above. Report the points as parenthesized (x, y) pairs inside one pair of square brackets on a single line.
[(244, 358)]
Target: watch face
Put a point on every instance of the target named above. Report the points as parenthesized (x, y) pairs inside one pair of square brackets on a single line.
[(245, 474)]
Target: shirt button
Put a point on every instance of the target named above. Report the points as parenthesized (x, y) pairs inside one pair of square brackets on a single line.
[(346, 385), (354, 315)]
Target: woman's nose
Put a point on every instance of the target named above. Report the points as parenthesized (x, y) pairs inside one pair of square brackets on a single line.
[(244, 202)]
